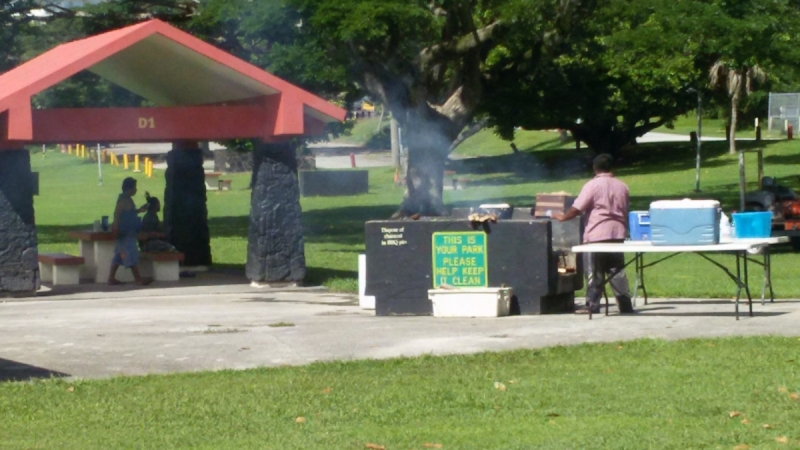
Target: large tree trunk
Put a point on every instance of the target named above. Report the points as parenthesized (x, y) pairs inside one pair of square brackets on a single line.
[(734, 116), (603, 138), (428, 146)]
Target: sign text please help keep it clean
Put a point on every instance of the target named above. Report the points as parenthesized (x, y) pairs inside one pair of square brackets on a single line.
[(459, 259)]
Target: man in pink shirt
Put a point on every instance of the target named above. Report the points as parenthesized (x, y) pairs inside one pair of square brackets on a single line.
[(603, 201)]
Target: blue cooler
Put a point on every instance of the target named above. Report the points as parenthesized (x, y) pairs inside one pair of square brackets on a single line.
[(639, 225), (684, 222)]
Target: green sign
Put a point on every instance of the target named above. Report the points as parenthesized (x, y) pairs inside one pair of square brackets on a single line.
[(459, 259)]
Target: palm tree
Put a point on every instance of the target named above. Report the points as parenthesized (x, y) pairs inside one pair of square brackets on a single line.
[(739, 82)]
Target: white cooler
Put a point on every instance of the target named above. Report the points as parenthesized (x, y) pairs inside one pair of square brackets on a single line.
[(471, 302), (684, 222)]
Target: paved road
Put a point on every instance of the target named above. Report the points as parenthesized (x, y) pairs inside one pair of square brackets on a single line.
[(340, 158), (169, 327)]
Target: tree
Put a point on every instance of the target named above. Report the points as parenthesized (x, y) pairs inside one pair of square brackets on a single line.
[(18, 20), (627, 70), (270, 34), (610, 79), (738, 82), (428, 62), (420, 59), (754, 38)]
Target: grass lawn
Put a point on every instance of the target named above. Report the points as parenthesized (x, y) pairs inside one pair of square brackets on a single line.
[(646, 394), (334, 227), (711, 127)]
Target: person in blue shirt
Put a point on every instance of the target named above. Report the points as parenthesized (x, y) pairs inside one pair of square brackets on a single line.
[(125, 228)]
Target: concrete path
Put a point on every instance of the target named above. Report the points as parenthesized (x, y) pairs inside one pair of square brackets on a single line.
[(189, 326), (669, 137)]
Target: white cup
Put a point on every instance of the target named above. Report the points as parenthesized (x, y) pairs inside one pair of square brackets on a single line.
[(96, 226)]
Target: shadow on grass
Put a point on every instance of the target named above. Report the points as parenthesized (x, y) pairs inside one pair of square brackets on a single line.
[(17, 371), (562, 164), (782, 159), (343, 225), (550, 144), (715, 302), (525, 166), (318, 276)]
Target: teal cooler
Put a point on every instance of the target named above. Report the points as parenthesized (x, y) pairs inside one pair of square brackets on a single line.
[(684, 222)]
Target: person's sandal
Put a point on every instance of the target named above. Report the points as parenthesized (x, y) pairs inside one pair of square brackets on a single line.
[(587, 310)]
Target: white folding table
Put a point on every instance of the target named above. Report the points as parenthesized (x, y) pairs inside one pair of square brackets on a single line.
[(740, 248)]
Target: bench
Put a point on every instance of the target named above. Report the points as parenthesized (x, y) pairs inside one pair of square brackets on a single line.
[(225, 185), (212, 181), (163, 266), (60, 268)]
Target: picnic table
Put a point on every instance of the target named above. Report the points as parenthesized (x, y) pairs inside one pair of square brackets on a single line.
[(212, 180), (97, 249), (743, 251)]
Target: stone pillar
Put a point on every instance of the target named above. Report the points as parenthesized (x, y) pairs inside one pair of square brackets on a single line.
[(275, 250), (185, 210), (19, 268)]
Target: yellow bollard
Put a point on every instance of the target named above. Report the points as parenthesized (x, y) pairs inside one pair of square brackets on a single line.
[(69, 149), (125, 161), (149, 168), (136, 163), (114, 160)]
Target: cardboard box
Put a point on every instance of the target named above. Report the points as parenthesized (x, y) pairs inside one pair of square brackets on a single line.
[(555, 203)]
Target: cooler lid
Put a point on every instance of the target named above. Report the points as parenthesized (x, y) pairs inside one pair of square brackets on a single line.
[(684, 204)]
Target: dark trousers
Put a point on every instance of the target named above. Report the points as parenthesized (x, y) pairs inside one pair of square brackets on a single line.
[(602, 266)]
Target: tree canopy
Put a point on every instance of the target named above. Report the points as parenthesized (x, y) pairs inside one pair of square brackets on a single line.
[(607, 70)]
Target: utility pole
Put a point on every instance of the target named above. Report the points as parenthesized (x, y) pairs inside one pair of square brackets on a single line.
[(99, 165), (395, 137)]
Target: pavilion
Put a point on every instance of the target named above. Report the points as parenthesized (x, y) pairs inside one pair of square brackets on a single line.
[(203, 94)]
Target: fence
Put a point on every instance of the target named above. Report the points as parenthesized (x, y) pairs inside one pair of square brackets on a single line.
[(784, 110)]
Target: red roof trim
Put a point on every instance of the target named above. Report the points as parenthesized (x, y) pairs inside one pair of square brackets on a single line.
[(68, 59)]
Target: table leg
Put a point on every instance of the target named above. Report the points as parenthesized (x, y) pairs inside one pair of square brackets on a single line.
[(738, 283), (747, 283), (636, 279), (767, 276), (103, 254), (640, 276), (89, 266)]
